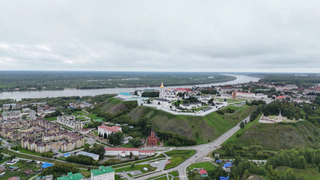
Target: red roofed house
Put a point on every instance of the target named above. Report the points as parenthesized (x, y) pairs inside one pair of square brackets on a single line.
[(280, 97), (107, 130), (14, 178), (152, 139), (203, 173)]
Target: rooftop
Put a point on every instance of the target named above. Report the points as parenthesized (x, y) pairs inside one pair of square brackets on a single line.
[(102, 170), (77, 176)]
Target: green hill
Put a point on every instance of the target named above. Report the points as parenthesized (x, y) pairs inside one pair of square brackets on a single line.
[(114, 106), (201, 129), (280, 136)]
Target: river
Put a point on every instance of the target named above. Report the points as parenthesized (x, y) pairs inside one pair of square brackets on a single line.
[(18, 95)]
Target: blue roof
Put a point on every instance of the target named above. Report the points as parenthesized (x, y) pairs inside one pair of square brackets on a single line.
[(125, 94), (66, 154), (46, 165), (227, 165), (224, 178), (218, 161)]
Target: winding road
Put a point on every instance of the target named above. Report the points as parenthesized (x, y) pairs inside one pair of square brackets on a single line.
[(202, 151)]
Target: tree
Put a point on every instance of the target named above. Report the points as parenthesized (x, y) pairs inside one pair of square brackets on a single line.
[(211, 100), (135, 142), (131, 154), (86, 147), (116, 138), (132, 165), (13, 156), (98, 149), (59, 169), (242, 125)]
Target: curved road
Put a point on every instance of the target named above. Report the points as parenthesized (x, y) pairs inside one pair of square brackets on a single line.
[(202, 151)]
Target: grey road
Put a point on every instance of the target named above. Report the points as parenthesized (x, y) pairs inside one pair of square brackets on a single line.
[(202, 151)]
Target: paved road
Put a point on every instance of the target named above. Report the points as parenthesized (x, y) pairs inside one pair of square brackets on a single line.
[(202, 151)]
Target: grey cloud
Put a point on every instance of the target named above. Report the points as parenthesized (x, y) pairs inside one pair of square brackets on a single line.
[(266, 35)]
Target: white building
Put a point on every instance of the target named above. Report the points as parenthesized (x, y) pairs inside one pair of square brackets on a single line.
[(245, 95), (94, 156), (102, 130), (190, 106), (163, 103), (103, 173), (70, 121), (11, 115), (123, 152)]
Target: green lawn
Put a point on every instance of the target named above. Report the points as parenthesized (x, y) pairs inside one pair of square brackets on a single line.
[(81, 113), (50, 119), (94, 116), (95, 132), (178, 156), (4, 159), (43, 159), (85, 173), (208, 166), (22, 150), (138, 161), (174, 173), (137, 167)]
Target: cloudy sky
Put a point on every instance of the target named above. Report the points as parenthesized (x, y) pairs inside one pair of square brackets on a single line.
[(147, 35)]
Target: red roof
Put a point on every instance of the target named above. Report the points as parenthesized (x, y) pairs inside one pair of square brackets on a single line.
[(146, 151), (243, 92), (121, 149), (202, 171), (281, 97), (128, 149), (182, 89), (112, 129), (13, 178)]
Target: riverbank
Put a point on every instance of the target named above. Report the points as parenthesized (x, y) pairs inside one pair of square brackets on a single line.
[(18, 95)]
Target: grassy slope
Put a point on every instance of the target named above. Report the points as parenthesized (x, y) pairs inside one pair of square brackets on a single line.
[(208, 127), (280, 136), (309, 173), (115, 106)]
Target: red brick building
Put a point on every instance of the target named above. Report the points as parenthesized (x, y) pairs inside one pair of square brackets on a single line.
[(152, 139)]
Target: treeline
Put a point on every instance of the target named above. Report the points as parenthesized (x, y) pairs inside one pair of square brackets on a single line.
[(150, 94), (96, 149), (81, 159), (190, 100), (54, 114), (296, 158), (209, 91), (288, 109), (88, 80), (59, 169), (174, 139), (283, 79), (251, 152), (242, 169)]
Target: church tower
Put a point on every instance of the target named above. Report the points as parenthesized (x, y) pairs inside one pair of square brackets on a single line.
[(161, 93)]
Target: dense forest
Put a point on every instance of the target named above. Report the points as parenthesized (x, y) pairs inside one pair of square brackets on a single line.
[(299, 80), (54, 80)]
